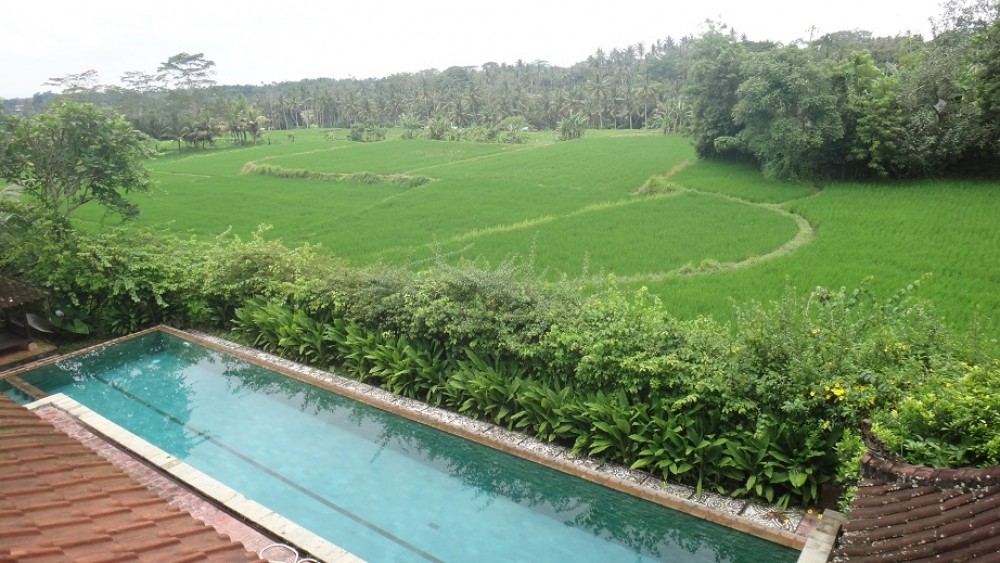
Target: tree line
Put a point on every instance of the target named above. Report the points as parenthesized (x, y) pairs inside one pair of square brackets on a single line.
[(180, 100), (848, 104)]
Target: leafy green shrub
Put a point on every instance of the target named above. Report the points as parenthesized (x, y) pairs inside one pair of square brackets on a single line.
[(948, 419), (551, 414), (114, 283), (839, 357), (490, 312), (231, 271), (612, 419), (617, 342), (491, 389), (482, 134)]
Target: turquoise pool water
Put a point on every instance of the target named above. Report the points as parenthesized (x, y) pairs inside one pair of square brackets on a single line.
[(381, 486)]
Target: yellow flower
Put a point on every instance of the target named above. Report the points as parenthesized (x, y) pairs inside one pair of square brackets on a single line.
[(826, 425), (819, 516), (812, 393)]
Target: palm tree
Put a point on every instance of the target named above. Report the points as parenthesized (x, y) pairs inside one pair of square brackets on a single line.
[(473, 99), (426, 97), (599, 87), (626, 104), (457, 111), (646, 93)]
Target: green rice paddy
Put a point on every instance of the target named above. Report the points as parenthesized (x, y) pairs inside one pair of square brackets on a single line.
[(718, 234)]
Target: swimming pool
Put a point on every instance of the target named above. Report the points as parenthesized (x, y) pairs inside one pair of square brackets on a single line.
[(379, 485)]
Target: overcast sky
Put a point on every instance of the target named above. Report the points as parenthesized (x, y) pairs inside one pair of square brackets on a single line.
[(254, 42)]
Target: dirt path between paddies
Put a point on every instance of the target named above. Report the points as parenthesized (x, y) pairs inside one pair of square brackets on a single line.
[(677, 168)]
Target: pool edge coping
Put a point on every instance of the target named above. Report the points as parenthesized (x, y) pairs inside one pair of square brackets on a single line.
[(216, 492), (455, 424)]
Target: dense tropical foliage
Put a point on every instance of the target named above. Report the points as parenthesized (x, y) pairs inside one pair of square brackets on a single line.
[(850, 105)]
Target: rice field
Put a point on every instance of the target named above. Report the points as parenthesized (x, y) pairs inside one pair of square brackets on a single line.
[(711, 236), (894, 233)]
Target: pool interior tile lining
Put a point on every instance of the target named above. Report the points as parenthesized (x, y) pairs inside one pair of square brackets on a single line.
[(789, 527)]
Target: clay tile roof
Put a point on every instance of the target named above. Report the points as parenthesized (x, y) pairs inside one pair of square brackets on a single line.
[(14, 293), (904, 512), (60, 501)]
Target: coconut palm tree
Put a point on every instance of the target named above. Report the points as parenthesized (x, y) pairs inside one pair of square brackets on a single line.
[(599, 88)]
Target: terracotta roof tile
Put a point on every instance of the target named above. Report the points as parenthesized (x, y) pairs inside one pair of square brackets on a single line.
[(904, 512), (60, 501)]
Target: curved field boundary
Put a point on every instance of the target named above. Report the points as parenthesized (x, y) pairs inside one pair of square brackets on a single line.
[(659, 184), (677, 168), (806, 233), (405, 179)]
